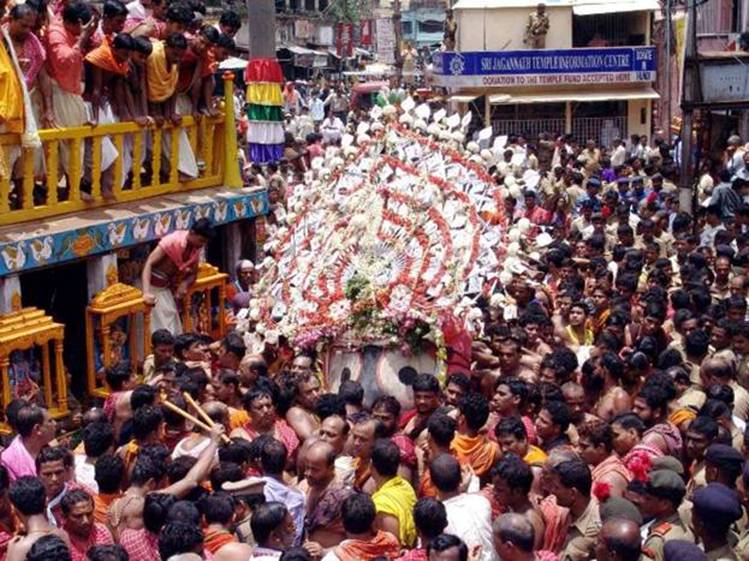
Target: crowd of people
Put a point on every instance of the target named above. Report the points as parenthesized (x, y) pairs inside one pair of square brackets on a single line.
[(601, 413), (597, 411), (70, 64)]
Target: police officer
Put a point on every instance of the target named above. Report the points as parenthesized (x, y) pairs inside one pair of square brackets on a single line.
[(660, 501), (716, 508), (723, 464), (679, 550)]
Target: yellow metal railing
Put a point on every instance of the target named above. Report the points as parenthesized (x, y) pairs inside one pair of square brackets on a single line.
[(25, 197)]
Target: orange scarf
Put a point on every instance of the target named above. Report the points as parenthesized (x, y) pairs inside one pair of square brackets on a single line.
[(384, 544), (103, 57), (216, 539), (362, 473), (681, 416), (426, 487), (102, 502), (131, 453), (238, 418), (478, 450)]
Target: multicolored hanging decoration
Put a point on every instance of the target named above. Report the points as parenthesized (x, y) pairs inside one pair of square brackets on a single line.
[(265, 134)]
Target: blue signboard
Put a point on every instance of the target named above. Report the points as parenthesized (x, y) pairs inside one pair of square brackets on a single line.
[(545, 67)]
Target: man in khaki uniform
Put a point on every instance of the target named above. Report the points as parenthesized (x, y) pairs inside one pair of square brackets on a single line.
[(662, 497), (570, 483), (701, 432), (740, 346), (537, 28), (716, 508)]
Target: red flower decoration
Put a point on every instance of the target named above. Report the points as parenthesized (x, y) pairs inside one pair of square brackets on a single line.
[(601, 491)]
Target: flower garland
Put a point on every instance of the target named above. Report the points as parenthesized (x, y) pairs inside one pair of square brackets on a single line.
[(378, 222)]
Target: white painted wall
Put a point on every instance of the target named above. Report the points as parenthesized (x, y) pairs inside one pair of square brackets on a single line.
[(503, 29)]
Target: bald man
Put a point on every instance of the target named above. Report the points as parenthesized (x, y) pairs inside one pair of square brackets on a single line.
[(251, 367), (325, 495), (513, 536), (619, 540)]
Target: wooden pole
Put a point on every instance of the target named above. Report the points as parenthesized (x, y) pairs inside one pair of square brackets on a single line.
[(262, 27), (690, 95), (194, 404), (194, 420), (398, 30), (232, 178)]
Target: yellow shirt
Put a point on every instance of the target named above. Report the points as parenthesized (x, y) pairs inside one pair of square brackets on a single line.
[(397, 498), (161, 76), (535, 456), (11, 95)]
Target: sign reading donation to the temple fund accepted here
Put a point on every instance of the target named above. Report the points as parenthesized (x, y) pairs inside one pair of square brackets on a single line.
[(610, 65)]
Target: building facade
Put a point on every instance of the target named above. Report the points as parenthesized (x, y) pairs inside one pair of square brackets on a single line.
[(592, 77)]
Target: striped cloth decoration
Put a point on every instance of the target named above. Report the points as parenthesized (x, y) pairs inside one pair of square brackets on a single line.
[(265, 134)]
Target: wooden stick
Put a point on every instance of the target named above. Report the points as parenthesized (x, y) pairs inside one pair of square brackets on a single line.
[(203, 415), (197, 422)]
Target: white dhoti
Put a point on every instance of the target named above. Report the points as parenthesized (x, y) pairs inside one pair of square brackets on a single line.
[(108, 150), (70, 111), (186, 162), (40, 165), (128, 156), (165, 313)]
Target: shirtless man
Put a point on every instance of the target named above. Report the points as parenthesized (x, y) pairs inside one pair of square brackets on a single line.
[(301, 416), (508, 352), (532, 325), (106, 69), (29, 504), (614, 399), (170, 269), (574, 395), (512, 479)]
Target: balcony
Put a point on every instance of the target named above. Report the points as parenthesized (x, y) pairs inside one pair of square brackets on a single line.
[(30, 198)]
